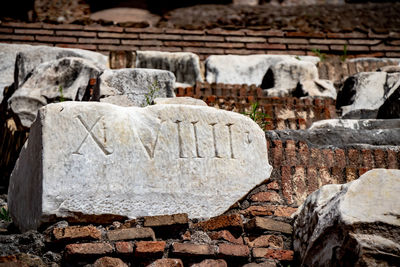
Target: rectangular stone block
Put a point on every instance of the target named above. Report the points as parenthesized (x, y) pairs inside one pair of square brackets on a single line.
[(260, 223), (131, 233), (76, 232), (93, 159), (193, 249), (165, 220)]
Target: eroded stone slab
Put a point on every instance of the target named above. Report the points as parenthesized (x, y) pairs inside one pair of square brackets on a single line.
[(97, 158)]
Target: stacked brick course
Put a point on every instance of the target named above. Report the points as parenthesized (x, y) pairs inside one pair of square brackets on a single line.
[(202, 42)]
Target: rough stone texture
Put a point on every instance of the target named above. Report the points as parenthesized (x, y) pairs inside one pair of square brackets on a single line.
[(342, 133), (277, 254), (356, 223), (180, 100), (224, 221), (273, 241), (233, 250), (211, 263), (109, 262), (61, 11), (30, 242), (88, 249), (135, 87), (52, 81), (166, 263), (364, 93), (28, 59), (184, 65), (173, 159), (297, 78), (76, 232), (269, 263), (232, 69)]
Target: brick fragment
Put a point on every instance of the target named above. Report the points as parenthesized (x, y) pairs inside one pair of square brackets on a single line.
[(97, 41), (211, 263), (76, 232), (282, 211), (353, 157), (166, 263), (266, 46), (277, 152), (312, 179), (351, 174), (299, 184), (149, 248), (380, 158), (258, 211), (273, 185), (56, 39), (131, 233), (392, 160), (76, 33), (290, 153), (259, 223), (220, 222), (226, 235), (109, 261), (340, 158), (266, 241), (270, 196), (164, 220), (188, 249), (287, 188), (303, 153), (124, 247), (33, 31), (233, 250), (88, 249), (277, 254)]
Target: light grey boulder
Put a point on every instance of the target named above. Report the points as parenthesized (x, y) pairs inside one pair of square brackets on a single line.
[(364, 93), (183, 100), (28, 59), (235, 69), (135, 87), (355, 224), (292, 77), (52, 81), (184, 65), (97, 158)]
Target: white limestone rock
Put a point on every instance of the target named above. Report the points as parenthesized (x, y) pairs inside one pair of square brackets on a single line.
[(66, 78), (184, 65), (364, 93), (288, 76), (135, 87), (97, 158), (356, 223), (368, 124), (183, 100), (234, 69)]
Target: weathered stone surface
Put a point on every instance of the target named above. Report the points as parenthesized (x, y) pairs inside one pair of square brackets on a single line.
[(135, 87), (233, 221), (342, 133), (193, 249), (28, 59), (273, 241), (52, 81), (88, 249), (292, 77), (149, 248), (97, 158), (211, 263), (184, 65), (183, 100), (131, 233), (109, 262), (357, 223), (166, 263), (277, 254), (364, 93), (233, 250), (31, 242), (233, 69), (164, 220), (260, 223), (76, 232)]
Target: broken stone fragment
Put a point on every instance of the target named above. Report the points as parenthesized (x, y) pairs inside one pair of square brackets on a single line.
[(135, 87), (356, 223), (97, 158)]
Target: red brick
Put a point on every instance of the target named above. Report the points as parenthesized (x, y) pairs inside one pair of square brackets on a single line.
[(204, 38), (178, 43), (316, 158), (277, 151), (364, 42), (33, 31), (378, 35), (108, 262), (56, 39), (160, 36), (260, 223), (227, 236), (288, 52), (211, 263), (299, 184), (340, 158), (351, 174), (225, 32), (325, 177), (181, 31), (76, 33), (328, 41), (118, 35), (117, 47), (144, 30), (308, 47), (239, 51), (141, 42), (395, 42), (62, 26), (287, 188), (328, 157), (76, 232), (98, 41), (288, 40), (149, 248), (274, 33), (22, 25), (277, 254), (221, 222), (188, 249), (347, 35), (350, 48), (233, 250), (361, 171), (353, 156), (165, 220), (273, 186), (282, 211), (123, 247), (80, 46), (367, 159), (380, 158), (103, 28), (16, 37), (225, 45), (88, 249), (204, 50), (6, 30), (290, 153), (258, 211), (166, 263), (131, 233), (383, 47), (305, 34), (392, 159), (246, 39), (270, 196), (272, 241), (312, 179), (303, 153)]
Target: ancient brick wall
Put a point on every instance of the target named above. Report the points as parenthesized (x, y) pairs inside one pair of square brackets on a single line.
[(202, 42)]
